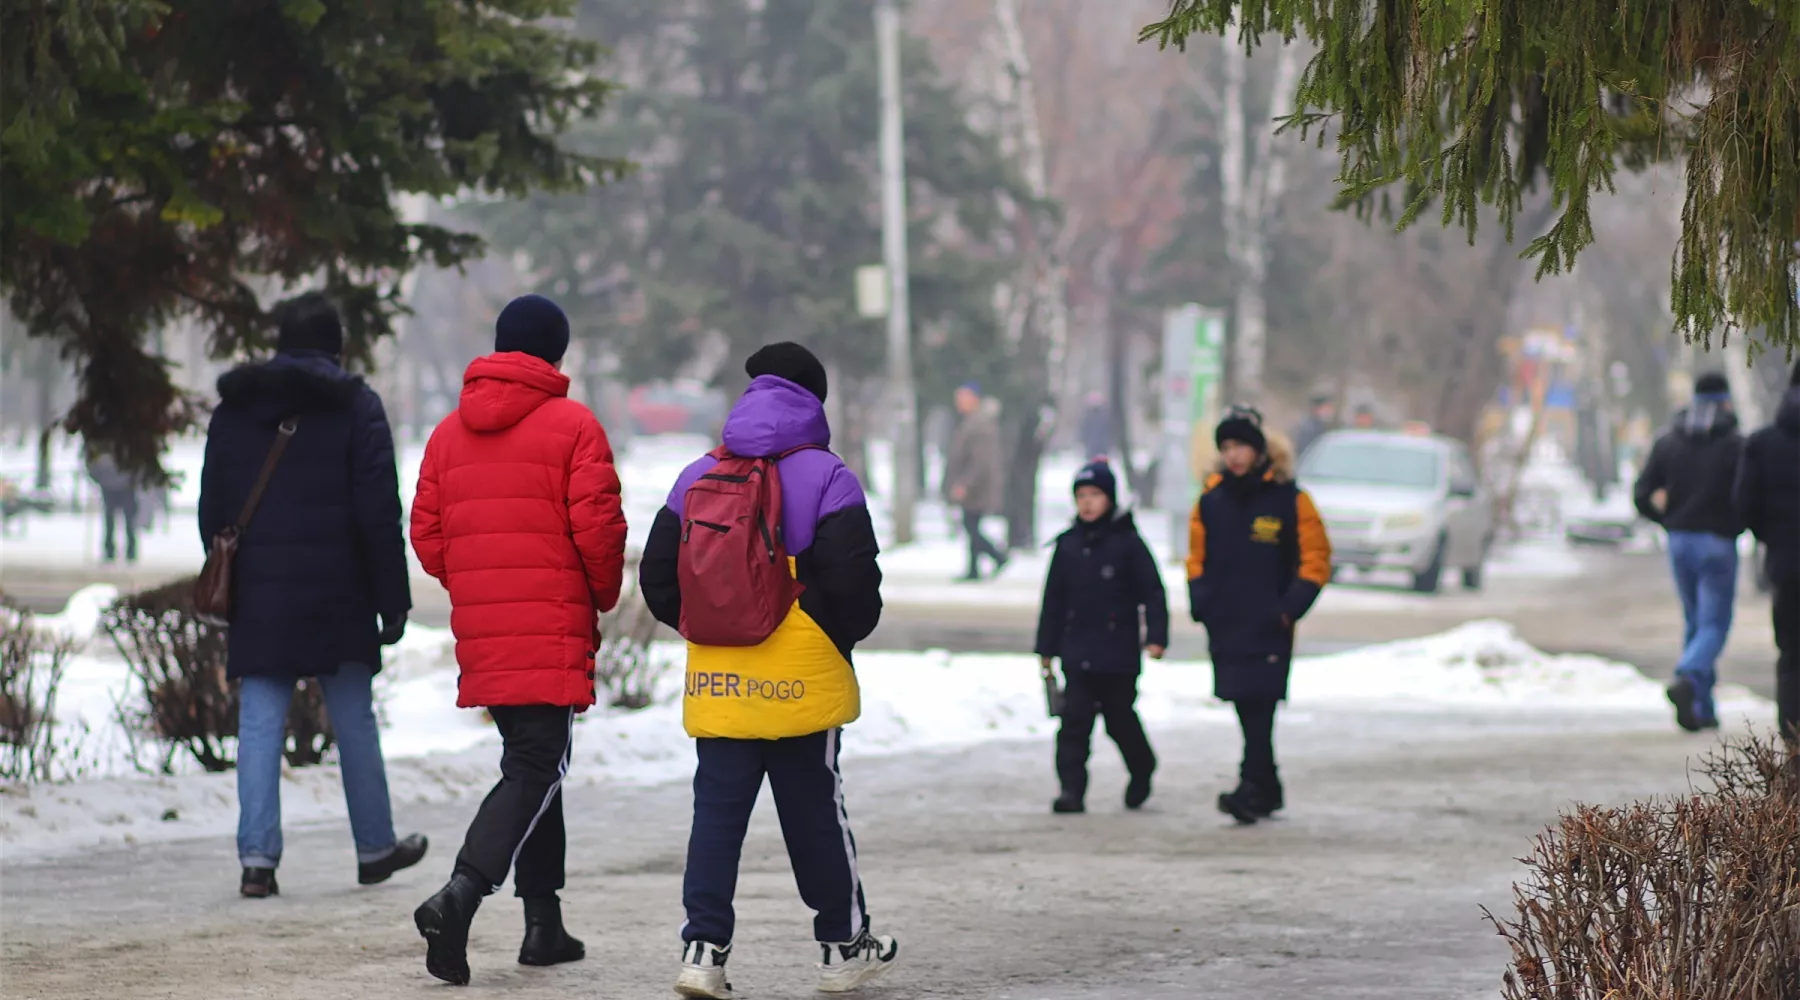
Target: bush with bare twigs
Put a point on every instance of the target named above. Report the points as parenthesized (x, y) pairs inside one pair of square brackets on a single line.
[(32, 662), (1696, 898), (624, 667), (179, 664)]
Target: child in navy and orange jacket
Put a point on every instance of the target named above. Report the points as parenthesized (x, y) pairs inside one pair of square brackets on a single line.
[(1104, 608), (1257, 558)]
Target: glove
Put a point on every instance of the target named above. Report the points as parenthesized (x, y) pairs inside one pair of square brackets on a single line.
[(392, 628)]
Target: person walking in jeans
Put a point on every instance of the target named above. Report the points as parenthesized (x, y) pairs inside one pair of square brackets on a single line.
[(319, 582), (1104, 609), (1767, 497), (518, 515), (775, 709), (1691, 469)]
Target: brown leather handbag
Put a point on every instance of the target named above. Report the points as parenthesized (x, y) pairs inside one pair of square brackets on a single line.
[(212, 591)]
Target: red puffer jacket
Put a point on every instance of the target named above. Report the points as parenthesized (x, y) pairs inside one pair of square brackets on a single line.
[(518, 515)]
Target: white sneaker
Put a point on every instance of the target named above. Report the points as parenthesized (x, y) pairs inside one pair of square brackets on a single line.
[(847, 966), (703, 971)]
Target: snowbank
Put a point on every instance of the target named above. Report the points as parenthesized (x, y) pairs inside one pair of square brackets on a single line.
[(911, 702)]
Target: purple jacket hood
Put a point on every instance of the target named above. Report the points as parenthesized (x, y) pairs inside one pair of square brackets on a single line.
[(773, 416)]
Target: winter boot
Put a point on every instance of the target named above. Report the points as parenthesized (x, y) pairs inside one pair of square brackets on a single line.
[(546, 943), (258, 883), (443, 921), (1681, 695), (1137, 792), (1242, 804), (844, 967), (703, 971), (1068, 802), (406, 853)]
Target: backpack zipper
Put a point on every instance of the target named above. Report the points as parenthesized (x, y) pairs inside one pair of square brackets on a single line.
[(688, 532)]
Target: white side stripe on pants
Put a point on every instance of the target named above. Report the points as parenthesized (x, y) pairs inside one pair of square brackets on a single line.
[(562, 771), (857, 917)]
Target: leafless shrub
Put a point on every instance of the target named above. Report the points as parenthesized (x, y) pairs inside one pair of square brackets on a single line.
[(1696, 898), (188, 704), (623, 666), (32, 663)]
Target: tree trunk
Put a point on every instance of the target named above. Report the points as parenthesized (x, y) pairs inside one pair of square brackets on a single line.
[(1253, 178)]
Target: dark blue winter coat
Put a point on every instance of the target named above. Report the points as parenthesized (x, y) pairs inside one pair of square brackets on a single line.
[(324, 554), (1767, 493), (1101, 575), (1258, 556)]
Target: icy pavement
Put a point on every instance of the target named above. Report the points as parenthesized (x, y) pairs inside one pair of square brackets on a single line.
[(1401, 825)]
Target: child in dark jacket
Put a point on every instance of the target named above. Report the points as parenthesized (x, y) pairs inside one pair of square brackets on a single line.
[(1102, 576), (1258, 556)]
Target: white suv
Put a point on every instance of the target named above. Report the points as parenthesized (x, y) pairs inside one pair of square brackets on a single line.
[(1393, 500)]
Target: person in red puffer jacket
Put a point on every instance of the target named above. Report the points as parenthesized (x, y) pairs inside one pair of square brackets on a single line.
[(518, 515)]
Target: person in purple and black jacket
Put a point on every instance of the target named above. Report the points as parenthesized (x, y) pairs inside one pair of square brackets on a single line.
[(777, 707)]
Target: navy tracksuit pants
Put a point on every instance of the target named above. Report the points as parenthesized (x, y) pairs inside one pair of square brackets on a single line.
[(809, 798)]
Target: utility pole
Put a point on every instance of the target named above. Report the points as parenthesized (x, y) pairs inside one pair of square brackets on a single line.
[(893, 255)]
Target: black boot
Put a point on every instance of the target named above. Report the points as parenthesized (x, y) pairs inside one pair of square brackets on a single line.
[(258, 883), (1270, 798), (1068, 802), (1242, 803), (443, 921), (546, 943), (406, 853), (1137, 791)]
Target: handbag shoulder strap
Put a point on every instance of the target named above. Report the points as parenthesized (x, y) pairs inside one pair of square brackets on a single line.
[(283, 435)]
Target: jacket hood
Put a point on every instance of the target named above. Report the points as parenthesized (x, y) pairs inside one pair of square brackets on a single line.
[(288, 384), (775, 415), (500, 390), (1787, 416), (1705, 419)]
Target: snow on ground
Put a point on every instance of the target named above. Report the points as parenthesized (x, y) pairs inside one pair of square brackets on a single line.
[(911, 702)]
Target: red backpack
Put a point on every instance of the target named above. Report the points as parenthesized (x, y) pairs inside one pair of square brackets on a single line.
[(736, 587)]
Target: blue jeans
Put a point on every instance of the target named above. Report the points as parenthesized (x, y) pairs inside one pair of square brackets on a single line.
[(1706, 571), (262, 734)]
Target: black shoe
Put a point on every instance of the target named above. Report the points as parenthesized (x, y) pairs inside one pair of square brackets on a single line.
[(258, 883), (1241, 804), (443, 921), (1138, 791), (1000, 563), (1681, 695), (1068, 803), (546, 943), (408, 852), (968, 578)]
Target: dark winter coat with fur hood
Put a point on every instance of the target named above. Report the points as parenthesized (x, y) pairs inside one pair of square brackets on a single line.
[(324, 556)]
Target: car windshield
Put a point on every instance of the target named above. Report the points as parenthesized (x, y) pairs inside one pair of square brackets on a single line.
[(1371, 463)]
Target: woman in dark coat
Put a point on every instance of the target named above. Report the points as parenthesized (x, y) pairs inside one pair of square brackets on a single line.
[(1257, 558), (1102, 577), (319, 583)]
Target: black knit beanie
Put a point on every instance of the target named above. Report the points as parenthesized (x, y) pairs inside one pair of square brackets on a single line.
[(790, 361), (534, 325), (1712, 384), (1243, 424), (1099, 475), (310, 323)]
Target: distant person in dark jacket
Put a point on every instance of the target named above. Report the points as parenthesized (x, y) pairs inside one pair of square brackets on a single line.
[(974, 474), (1258, 556), (119, 502), (1096, 428), (1104, 609), (1767, 497), (320, 580), (1693, 466), (1323, 418)]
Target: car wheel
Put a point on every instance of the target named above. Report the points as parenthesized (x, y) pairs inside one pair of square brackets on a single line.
[(1426, 580)]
